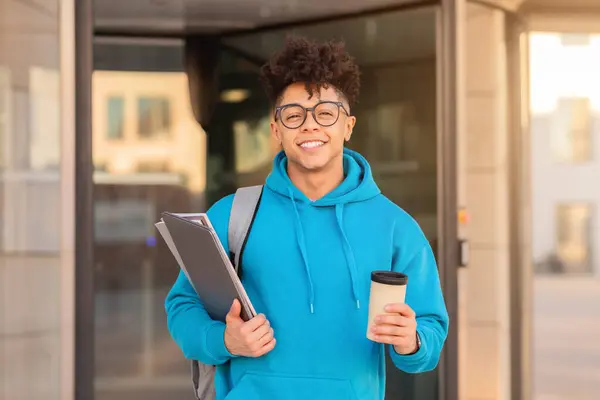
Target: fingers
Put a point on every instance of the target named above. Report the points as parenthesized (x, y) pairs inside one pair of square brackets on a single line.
[(396, 328), (248, 338), (234, 312), (260, 332), (400, 308), (261, 340), (264, 339), (397, 320), (265, 349), (387, 339), (254, 324), (392, 330)]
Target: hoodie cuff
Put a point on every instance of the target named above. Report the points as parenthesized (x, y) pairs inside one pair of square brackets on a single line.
[(215, 342), (410, 362)]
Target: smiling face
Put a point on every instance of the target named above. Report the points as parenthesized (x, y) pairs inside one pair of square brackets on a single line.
[(312, 147)]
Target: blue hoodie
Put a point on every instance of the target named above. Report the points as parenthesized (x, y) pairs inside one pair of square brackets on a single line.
[(307, 267)]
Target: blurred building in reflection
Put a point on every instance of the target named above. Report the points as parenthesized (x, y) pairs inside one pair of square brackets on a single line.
[(145, 124), (565, 125)]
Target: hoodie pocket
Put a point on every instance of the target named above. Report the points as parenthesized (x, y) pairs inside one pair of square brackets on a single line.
[(278, 386)]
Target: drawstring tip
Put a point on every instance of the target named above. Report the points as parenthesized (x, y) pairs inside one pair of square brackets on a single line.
[(312, 308), (357, 303)]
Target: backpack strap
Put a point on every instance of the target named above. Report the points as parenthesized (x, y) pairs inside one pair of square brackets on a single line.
[(243, 211)]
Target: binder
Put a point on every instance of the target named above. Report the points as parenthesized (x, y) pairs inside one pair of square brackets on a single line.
[(195, 245)]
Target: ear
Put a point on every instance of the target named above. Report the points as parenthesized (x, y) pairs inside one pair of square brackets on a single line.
[(350, 122), (275, 132)]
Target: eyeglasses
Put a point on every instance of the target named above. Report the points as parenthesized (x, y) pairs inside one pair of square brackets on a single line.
[(325, 113)]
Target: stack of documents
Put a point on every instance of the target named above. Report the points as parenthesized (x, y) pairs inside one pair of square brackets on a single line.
[(201, 256)]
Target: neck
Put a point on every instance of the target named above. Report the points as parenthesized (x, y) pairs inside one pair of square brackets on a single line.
[(316, 184)]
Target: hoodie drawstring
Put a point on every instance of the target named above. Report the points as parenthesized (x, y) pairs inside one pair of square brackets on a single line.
[(339, 212), (302, 246)]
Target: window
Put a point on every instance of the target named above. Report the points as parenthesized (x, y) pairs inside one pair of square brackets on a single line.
[(115, 117), (572, 130), (154, 117), (153, 166), (573, 236), (575, 39)]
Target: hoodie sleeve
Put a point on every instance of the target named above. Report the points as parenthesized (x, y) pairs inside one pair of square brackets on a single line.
[(424, 296), (198, 336)]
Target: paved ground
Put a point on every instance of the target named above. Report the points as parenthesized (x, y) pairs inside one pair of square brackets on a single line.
[(566, 338)]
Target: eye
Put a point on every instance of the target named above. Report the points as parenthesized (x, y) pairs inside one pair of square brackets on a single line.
[(292, 113), (293, 117)]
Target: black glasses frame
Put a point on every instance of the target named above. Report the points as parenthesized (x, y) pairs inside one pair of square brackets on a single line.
[(339, 104)]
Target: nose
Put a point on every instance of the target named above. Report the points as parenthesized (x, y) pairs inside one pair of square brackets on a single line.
[(310, 124)]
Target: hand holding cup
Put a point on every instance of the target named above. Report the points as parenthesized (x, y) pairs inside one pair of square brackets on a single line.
[(391, 321), (397, 327)]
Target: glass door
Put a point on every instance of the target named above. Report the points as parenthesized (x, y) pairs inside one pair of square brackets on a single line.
[(179, 123), (149, 155)]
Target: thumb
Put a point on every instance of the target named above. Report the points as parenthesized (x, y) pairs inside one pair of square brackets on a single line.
[(234, 312)]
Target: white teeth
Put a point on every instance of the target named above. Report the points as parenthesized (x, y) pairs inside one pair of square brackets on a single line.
[(310, 145)]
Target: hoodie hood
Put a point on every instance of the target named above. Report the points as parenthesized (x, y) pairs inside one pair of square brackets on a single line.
[(358, 185)]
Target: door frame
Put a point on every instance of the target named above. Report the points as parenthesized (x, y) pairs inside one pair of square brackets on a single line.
[(450, 109), (84, 234)]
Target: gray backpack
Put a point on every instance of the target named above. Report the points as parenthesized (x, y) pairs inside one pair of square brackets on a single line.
[(243, 210)]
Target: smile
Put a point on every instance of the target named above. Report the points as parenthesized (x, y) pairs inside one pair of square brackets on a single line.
[(312, 144)]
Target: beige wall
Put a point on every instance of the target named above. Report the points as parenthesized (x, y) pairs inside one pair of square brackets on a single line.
[(484, 304)]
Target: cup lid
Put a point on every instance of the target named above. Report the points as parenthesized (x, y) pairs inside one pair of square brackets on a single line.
[(389, 277)]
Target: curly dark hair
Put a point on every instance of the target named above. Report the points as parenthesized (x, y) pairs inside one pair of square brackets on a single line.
[(316, 64)]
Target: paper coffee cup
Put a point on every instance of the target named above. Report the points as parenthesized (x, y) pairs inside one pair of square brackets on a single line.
[(386, 287)]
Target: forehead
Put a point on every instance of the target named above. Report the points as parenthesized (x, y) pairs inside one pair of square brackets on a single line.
[(296, 93)]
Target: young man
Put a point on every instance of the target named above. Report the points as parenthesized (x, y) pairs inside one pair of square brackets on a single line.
[(321, 228)]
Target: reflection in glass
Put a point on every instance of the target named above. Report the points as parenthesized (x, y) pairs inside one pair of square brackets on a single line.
[(157, 164), (154, 116), (396, 112), (33, 318)]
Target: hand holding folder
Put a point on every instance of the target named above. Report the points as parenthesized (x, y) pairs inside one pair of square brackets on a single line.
[(201, 256), (251, 338)]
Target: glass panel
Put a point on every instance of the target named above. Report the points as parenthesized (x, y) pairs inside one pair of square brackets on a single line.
[(565, 235), (158, 164), (31, 263)]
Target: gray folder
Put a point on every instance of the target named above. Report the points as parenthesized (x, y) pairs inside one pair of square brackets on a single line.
[(200, 255)]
